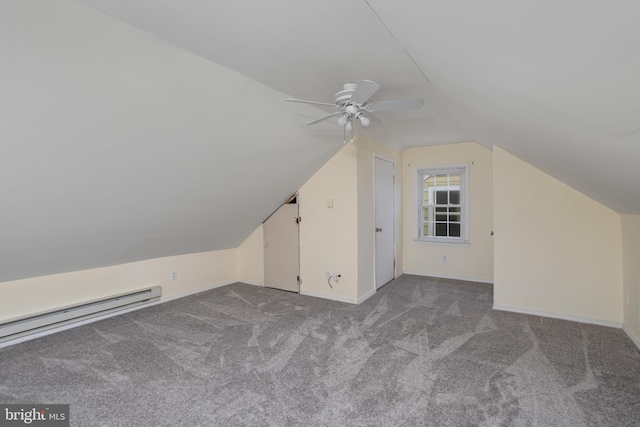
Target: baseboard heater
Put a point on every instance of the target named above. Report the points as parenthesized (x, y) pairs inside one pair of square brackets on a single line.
[(27, 325)]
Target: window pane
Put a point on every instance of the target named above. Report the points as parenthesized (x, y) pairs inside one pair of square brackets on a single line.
[(455, 197), (441, 229), (441, 217), (428, 189), (428, 229), (441, 197), (454, 230), (429, 181)]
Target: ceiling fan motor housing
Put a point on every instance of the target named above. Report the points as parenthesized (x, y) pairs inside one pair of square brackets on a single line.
[(344, 96)]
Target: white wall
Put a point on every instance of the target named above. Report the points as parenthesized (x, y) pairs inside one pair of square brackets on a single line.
[(366, 212), (474, 262), (29, 296), (251, 258), (120, 147), (556, 250), (329, 236), (631, 275)]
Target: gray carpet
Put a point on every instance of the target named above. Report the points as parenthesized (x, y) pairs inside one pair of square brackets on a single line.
[(421, 352)]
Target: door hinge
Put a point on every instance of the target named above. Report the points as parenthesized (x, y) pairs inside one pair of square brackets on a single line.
[(298, 219), (394, 179), (299, 281)]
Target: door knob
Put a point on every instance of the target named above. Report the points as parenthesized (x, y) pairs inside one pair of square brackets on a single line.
[(378, 229)]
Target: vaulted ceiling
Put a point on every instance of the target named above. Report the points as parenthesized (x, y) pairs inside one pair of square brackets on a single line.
[(133, 129)]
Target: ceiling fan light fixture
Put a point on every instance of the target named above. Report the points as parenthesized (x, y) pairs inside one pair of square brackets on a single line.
[(342, 120), (352, 109), (348, 126), (364, 120)]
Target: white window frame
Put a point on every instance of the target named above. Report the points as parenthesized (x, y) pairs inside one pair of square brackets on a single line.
[(463, 170)]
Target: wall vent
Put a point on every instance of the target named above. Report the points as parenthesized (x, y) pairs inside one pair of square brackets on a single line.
[(27, 325)]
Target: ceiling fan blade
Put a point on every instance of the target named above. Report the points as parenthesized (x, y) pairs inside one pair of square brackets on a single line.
[(302, 101), (322, 119), (373, 120), (401, 104), (364, 91)]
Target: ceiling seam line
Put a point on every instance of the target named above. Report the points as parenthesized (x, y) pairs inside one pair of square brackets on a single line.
[(398, 42)]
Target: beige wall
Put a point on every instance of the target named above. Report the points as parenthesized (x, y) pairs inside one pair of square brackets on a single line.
[(474, 262), (556, 250), (251, 258), (631, 275), (329, 236), (366, 228), (338, 239), (195, 271)]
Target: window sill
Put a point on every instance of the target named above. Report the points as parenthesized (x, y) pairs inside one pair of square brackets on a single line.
[(442, 242)]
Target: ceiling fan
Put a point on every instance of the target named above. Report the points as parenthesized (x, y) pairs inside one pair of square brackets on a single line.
[(353, 103)]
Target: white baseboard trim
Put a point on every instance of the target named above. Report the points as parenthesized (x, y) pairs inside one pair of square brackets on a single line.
[(330, 297), (193, 291), (162, 300), (366, 296), (631, 335), (440, 276), (561, 316), (249, 282)]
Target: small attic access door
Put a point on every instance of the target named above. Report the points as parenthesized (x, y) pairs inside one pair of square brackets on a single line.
[(281, 248)]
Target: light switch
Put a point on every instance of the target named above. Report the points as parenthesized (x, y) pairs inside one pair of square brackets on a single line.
[(330, 202)]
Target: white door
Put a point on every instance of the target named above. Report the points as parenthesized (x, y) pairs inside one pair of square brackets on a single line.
[(384, 177), (281, 254)]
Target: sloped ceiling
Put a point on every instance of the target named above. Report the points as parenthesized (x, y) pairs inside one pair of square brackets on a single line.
[(118, 146), (135, 128)]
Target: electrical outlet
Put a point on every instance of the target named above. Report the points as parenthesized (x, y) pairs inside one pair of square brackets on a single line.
[(174, 275), (444, 258)]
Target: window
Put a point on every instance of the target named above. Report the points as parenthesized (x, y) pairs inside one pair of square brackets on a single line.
[(443, 205)]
